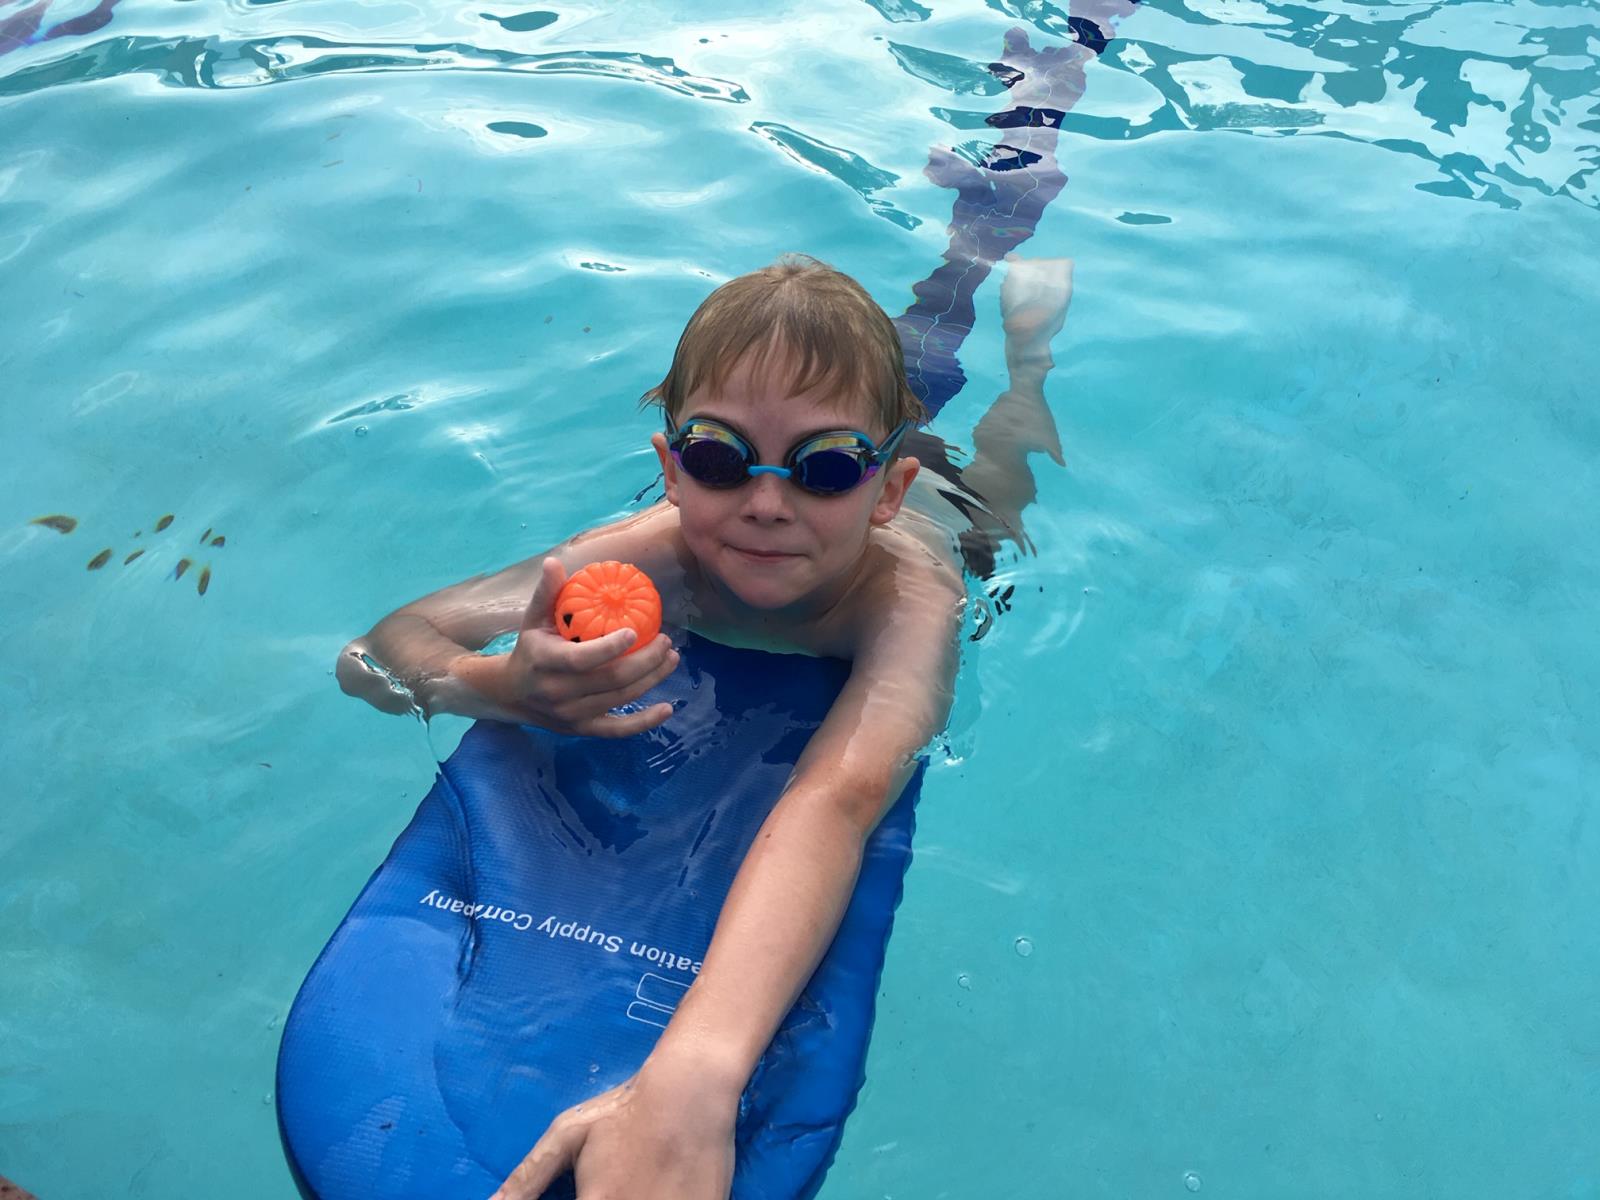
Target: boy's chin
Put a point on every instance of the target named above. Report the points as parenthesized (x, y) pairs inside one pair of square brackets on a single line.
[(765, 595), (766, 589)]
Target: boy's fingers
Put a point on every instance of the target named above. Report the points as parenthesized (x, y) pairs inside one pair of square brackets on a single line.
[(627, 693), (667, 665), (597, 652), (625, 672), (552, 578), (555, 1150), (627, 724)]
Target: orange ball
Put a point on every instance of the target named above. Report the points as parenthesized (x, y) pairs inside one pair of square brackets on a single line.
[(604, 597)]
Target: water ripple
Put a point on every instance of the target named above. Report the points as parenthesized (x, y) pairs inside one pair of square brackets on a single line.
[(401, 403), (527, 22), (214, 63), (844, 165), (959, 75), (1500, 99), (901, 10)]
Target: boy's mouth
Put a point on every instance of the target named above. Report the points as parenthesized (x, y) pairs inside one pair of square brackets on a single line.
[(763, 555)]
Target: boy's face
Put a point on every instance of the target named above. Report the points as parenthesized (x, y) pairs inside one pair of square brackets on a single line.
[(768, 542)]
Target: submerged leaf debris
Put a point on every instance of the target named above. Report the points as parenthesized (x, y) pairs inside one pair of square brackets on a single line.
[(64, 524)]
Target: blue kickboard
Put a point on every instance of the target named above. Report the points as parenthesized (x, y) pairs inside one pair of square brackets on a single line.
[(528, 936)]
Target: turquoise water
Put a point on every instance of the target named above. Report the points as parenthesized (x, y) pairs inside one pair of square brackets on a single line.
[(1280, 765)]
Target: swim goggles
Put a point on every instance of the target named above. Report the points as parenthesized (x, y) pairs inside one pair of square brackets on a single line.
[(828, 464)]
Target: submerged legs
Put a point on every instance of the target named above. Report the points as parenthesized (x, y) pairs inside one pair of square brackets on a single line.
[(1033, 308)]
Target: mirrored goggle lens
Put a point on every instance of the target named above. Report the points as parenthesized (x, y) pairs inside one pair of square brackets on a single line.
[(830, 471), (713, 462)]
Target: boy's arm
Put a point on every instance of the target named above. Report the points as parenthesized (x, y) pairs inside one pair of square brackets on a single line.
[(408, 658), (792, 889), (424, 654), (673, 1122)]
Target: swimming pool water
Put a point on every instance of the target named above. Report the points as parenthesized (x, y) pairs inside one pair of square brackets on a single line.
[(1280, 762)]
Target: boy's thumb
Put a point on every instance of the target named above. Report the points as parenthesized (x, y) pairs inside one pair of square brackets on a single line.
[(541, 608)]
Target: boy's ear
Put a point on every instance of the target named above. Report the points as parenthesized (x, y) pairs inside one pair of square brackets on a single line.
[(669, 467), (897, 482)]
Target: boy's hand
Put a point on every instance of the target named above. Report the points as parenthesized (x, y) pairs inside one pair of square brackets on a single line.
[(662, 1135), (570, 687)]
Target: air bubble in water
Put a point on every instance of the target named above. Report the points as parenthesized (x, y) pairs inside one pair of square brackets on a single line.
[(267, 1099), (594, 1068), (361, 431), (1191, 1181), (964, 981), (1024, 946)]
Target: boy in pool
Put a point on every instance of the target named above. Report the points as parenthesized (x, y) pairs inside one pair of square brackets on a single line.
[(794, 519)]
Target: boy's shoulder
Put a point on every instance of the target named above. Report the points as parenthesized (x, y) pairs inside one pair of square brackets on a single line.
[(909, 579), (648, 539), (912, 564)]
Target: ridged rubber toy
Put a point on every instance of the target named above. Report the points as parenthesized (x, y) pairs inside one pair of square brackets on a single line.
[(604, 597)]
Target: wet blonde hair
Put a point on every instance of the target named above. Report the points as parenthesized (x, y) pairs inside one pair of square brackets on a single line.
[(835, 333)]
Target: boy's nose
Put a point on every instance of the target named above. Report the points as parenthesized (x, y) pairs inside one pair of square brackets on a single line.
[(766, 498)]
